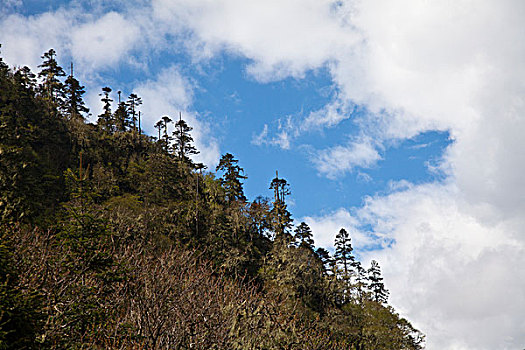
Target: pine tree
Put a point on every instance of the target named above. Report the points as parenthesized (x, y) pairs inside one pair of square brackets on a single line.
[(231, 180), (166, 138), (280, 216), (25, 78), (74, 104), (121, 116), (183, 142), (303, 236), (361, 279), (343, 252), (51, 88), (376, 286), (344, 259), (159, 126), (105, 120), (132, 104), (21, 313), (325, 258), (259, 216)]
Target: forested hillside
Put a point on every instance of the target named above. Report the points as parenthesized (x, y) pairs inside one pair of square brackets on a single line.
[(113, 239)]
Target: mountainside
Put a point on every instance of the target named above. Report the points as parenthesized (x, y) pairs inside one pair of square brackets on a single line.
[(113, 239)]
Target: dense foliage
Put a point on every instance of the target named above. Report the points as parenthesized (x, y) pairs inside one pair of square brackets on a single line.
[(113, 239)]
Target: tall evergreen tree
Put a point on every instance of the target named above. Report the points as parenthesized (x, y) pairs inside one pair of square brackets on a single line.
[(303, 236), (343, 252), (34, 147), (105, 120), (120, 116), (326, 259), (51, 88), (159, 126), (231, 180), (74, 104), (166, 138), (21, 313), (183, 147), (26, 78), (259, 216), (281, 217), (376, 286), (361, 279), (132, 105)]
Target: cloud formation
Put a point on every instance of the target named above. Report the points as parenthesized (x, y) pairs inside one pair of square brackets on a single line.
[(105, 41), (282, 38), (336, 161)]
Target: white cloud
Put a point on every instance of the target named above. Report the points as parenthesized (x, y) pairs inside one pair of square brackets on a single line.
[(96, 40), (449, 273), (25, 39), (447, 270), (260, 138), (333, 162), (283, 137), (104, 41), (282, 38), (330, 115)]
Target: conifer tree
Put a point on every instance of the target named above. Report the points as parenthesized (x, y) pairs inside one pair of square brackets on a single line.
[(281, 217), (34, 146), (159, 126), (51, 88), (105, 120), (3, 66), (74, 104), (25, 78), (361, 279), (21, 313), (303, 236), (231, 180), (132, 104), (376, 286), (258, 214), (183, 142), (121, 116), (343, 251), (166, 138), (325, 258)]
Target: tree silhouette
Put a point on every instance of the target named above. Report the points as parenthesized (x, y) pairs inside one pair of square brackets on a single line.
[(183, 147), (231, 180), (376, 286), (105, 120), (74, 104), (303, 236), (51, 88), (280, 216)]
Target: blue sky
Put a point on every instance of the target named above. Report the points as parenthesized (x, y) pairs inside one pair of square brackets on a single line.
[(401, 121), (241, 107)]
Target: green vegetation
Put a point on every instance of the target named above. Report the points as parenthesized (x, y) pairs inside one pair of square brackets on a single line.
[(112, 239)]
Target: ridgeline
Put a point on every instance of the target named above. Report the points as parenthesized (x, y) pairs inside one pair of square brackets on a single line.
[(113, 239)]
